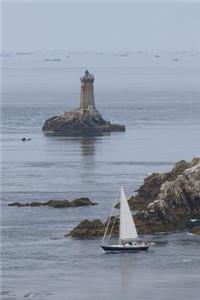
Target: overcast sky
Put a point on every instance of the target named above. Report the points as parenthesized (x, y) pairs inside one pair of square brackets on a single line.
[(47, 25)]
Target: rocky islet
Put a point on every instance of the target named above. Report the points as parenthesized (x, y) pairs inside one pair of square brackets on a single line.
[(166, 202), (83, 121), (56, 203)]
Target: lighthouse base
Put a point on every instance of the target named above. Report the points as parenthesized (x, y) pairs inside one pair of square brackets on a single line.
[(80, 123)]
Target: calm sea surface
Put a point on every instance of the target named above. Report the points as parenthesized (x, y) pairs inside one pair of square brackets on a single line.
[(158, 99)]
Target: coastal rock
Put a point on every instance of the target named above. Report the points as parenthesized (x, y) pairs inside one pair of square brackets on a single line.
[(196, 230), (56, 203), (94, 228), (149, 191), (181, 197), (169, 201), (88, 229), (79, 123), (145, 223), (174, 202)]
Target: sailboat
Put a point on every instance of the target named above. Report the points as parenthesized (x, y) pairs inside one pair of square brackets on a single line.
[(128, 236)]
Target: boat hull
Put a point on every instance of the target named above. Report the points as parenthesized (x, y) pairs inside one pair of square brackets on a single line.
[(124, 248)]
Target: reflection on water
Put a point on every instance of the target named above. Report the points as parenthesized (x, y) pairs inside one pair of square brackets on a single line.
[(127, 270), (87, 145)]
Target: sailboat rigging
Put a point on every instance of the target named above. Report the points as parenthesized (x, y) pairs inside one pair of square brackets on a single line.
[(128, 236)]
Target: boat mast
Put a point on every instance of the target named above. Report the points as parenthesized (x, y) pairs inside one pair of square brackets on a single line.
[(108, 223)]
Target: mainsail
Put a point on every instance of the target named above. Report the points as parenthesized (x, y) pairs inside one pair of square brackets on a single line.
[(127, 230)]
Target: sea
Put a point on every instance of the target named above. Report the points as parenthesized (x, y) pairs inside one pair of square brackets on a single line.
[(157, 96)]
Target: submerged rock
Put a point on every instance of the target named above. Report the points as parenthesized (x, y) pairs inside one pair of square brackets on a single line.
[(165, 202), (24, 139), (57, 203)]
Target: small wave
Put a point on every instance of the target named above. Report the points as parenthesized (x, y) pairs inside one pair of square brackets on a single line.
[(30, 294), (36, 295), (142, 163), (186, 260), (54, 238)]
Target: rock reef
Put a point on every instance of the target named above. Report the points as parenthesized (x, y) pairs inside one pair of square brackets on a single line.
[(165, 202), (79, 123), (56, 203)]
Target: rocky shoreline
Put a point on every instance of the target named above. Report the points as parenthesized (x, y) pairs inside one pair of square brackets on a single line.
[(166, 202), (196, 230), (56, 203)]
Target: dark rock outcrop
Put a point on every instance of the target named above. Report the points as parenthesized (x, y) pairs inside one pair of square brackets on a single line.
[(79, 123), (179, 198), (165, 202), (169, 200), (56, 203), (88, 229), (149, 191), (196, 230)]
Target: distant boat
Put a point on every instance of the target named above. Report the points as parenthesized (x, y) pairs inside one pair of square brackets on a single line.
[(100, 53), (5, 55), (157, 55), (128, 236), (123, 54), (53, 59), (23, 53)]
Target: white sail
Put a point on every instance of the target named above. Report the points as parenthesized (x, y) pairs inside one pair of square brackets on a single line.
[(127, 230)]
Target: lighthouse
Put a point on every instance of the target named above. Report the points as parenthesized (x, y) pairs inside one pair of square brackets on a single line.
[(82, 121), (87, 92)]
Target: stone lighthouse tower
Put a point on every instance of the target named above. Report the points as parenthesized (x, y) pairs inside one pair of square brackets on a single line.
[(87, 92)]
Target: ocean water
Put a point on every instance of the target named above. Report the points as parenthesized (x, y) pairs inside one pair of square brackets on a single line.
[(158, 99)]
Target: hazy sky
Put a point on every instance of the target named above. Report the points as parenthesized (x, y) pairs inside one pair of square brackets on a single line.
[(82, 25)]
